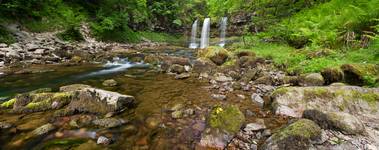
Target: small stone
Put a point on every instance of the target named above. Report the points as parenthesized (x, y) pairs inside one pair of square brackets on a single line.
[(257, 100), (203, 75), (219, 96), (110, 83), (249, 113), (266, 133), (5, 125), (241, 96), (175, 68), (258, 125), (103, 140), (182, 76), (223, 78)]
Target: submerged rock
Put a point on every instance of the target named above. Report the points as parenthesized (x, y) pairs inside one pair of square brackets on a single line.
[(109, 122), (43, 129), (297, 135), (110, 82), (175, 68), (5, 125), (182, 76)]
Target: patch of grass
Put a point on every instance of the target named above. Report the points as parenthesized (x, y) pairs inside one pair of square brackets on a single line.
[(297, 60)]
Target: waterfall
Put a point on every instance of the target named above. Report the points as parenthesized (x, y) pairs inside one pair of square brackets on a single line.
[(193, 43), (204, 43), (223, 24)]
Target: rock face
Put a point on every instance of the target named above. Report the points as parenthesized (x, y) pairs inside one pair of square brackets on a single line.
[(297, 135), (292, 101)]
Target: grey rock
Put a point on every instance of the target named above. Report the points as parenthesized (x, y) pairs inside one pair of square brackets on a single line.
[(223, 78), (175, 68), (256, 126), (103, 140), (258, 100)]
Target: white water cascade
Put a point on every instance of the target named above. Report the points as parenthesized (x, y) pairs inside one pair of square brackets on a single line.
[(204, 42), (223, 24), (193, 43)]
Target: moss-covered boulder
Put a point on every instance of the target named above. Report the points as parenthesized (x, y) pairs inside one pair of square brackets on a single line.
[(361, 74), (297, 135), (332, 75), (223, 123), (217, 55), (312, 79), (228, 118)]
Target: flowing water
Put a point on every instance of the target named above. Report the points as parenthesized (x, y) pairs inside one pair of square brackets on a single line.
[(204, 41), (194, 43), (223, 25), (155, 94)]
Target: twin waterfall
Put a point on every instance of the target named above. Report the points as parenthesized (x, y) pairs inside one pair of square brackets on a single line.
[(205, 32)]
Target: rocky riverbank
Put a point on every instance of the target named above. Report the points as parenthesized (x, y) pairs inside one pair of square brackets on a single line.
[(214, 100)]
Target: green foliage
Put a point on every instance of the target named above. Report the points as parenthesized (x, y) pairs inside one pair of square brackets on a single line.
[(161, 37), (71, 34), (333, 24), (6, 36)]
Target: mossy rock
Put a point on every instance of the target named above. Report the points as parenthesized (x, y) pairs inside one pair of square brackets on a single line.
[(9, 103), (228, 118), (246, 53), (34, 102), (295, 136), (217, 55), (332, 75), (361, 74)]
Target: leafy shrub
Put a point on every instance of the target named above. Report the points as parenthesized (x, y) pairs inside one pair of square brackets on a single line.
[(6, 36), (71, 34)]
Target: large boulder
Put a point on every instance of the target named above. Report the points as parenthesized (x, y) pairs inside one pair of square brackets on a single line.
[(92, 100), (292, 101), (297, 135)]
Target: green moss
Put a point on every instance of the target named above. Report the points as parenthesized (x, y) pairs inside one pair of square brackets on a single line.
[(62, 143), (229, 118), (317, 92), (43, 101), (302, 128), (280, 91), (8, 103)]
